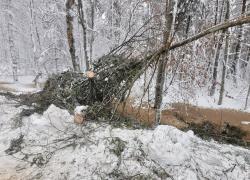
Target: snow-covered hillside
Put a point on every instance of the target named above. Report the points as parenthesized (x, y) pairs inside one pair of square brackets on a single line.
[(50, 146)]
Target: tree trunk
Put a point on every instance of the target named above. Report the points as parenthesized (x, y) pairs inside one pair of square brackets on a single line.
[(14, 55), (162, 61), (248, 93), (216, 63), (224, 68), (70, 35), (93, 4), (248, 56), (34, 32), (248, 74), (84, 29), (238, 45), (217, 56), (216, 12)]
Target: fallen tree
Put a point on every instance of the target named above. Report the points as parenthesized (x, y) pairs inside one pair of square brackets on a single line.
[(115, 76)]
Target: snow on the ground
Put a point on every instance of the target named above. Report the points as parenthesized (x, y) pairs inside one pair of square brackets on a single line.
[(25, 84), (234, 99), (59, 149), (235, 96)]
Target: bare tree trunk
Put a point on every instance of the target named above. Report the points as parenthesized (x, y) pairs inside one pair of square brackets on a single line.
[(112, 23), (248, 56), (33, 33), (238, 45), (224, 68), (93, 4), (216, 63), (84, 29), (217, 56), (167, 47), (216, 12), (245, 63), (69, 21), (248, 93), (162, 61), (221, 10), (248, 74), (13, 52)]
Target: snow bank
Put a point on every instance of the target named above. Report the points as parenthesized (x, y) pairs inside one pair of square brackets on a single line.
[(59, 149)]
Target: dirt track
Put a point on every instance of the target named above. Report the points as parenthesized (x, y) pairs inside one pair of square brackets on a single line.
[(181, 114)]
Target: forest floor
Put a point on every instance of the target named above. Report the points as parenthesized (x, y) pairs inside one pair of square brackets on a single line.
[(25, 84), (180, 115), (203, 109), (51, 146)]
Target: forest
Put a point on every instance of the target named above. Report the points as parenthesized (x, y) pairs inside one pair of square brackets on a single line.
[(124, 89)]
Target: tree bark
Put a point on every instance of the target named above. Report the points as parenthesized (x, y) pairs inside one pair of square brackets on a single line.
[(248, 93), (248, 55), (248, 74), (34, 32), (216, 63), (162, 62), (224, 67), (238, 45), (70, 35), (14, 55), (216, 12), (84, 29), (217, 54), (92, 38)]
